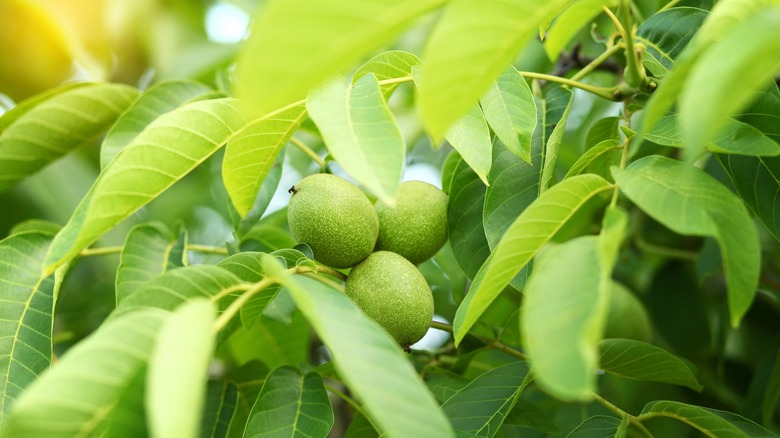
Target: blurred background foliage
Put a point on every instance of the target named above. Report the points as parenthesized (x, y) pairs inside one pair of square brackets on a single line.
[(45, 43)]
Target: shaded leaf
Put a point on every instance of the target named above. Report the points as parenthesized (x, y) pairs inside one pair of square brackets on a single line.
[(711, 422), (360, 132), (527, 414), (558, 100), (666, 34), (169, 148), (250, 155), (89, 388), (735, 138), (690, 202), (360, 427), (249, 379), (464, 216), (459, 66), (444, 383), (599, 426), (149, 250), (387, 384), (25, 315), (510, 111), (273, 343), (218, 409), (291, 405), (527, 234), (480, 407), (297, 44), (602, 152), (641, 361), (159, 99), (175, 394), (58, 125)]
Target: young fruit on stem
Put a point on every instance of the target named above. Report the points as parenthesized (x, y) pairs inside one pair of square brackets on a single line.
[(416, 226), (334, 218), (392, 291)]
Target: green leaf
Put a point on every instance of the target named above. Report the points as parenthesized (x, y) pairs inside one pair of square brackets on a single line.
[(527, 414), (178, 371), (11, 116), (510, 111), (641, 361), (169, 148), (243, 225), (360, 427), (220, 405), (159, 99), (297, 44), (58, 125), (709, 99), (26, 315), (480, 407), (471, 45), (149, 250), (569, 23), (690, 202), (600, 153), (444, 383), (711, 422), (386, 382), (735, 138), (360, 132), (93, 389), (559, 99), (464, 216), (272, 342), (248, 379), (527, 234), (666, 34), (599, 426), (388, 65), (248, 267), (291, 405), (250, 155), (562, 317), (178, 286)]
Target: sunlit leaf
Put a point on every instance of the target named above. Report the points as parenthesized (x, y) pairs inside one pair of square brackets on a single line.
[(471, 45), (159, 99), (26, 315), (169, 148), (709, 99), (250, 155), (178, 370), (149, 250), (735, 138), (21, 108), (690, 202), (94, 388), (568, 23), (291, 405), (297, 44), (510, 110), (641, 361), (388, 65), (593, 156), (481, 407), (58, 125), (711, 422), (243, 225), (386, 383), (360, 132), (527, 234)]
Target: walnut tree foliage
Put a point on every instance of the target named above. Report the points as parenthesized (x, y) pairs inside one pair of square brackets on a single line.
[(613, 258)]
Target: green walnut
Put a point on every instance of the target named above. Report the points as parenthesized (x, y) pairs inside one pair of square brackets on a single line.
[(627, 317), (416, 226), (392, 291), (334, 218)]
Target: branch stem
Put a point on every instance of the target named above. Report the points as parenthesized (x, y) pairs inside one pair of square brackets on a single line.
[(597, 61), (206, 249), (604, 93)]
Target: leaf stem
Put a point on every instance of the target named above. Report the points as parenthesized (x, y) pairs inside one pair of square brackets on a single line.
[(236, 305), (607, 404), (669, 5), (308, 151), (623, 162), (604, 93), (225, 292), (597, 61), (106, 250), (352, 403), (492, 343), (207, 249)]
